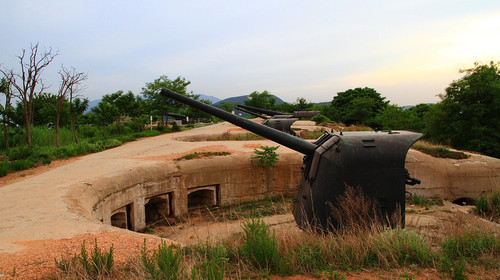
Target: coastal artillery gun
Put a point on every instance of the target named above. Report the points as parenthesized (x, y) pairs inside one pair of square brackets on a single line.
[(372, 161), (296, 114), (280, 122)]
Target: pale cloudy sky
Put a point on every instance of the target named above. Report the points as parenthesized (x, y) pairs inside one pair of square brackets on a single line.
[(409, 51)]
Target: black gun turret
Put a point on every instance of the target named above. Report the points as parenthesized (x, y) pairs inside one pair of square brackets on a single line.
[(372, 161), (278, 120)]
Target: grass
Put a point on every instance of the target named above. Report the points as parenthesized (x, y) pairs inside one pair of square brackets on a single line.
[(84, 266), (488, 206), (314, 134), (438, 151), (227, 136), (253, 209), (44, 151), (198, 155), (259, 252), (423, 201)]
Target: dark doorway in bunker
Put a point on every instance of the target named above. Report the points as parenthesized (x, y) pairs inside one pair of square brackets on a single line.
[(159, 207), (122, 217), (119, 220), (464, 201), (202, 197)]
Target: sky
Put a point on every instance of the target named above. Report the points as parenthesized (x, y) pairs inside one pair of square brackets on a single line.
[(409, 51)]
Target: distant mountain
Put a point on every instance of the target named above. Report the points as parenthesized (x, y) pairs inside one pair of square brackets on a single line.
[(92, 104), (241, 100), (212, 99)]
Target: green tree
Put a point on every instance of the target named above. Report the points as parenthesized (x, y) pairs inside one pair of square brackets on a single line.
[(6, 109), (105, 113), (77, 109), (227, 106), (158, 103), (264, 100), (468, 115), (395, 117), (359, 105), (28, 83)]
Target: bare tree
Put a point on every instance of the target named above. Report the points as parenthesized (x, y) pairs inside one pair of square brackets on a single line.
[(70, 86), (28, 82), (6, 90)]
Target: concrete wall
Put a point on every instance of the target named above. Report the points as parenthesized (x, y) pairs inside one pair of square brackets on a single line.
[(235, 178), (230, 179)]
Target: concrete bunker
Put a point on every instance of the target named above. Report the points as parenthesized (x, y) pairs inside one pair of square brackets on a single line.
[(159, 207), (201, 197)]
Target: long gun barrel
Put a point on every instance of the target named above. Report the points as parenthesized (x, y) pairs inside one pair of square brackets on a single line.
[(252, 113), (282, 138)]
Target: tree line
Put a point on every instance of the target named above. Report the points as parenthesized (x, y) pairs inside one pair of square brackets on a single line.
[(466, 118)]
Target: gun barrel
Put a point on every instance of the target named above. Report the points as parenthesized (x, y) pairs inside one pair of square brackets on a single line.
[(260, 110), (282, 138), (252, 113)]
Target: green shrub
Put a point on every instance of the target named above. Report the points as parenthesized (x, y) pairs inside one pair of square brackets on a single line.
[(423, 201), (163, 263), (266, 156), (20, 152), (439, 152), (403, 247), (260, 246), (471, 244), (4, 168), (213, 264), (489, 205), (320, 119), (22, 164), (309, 257), (99, 263)]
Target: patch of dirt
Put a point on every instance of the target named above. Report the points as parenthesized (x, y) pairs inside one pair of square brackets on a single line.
[(174, 156), (252, 146), (37, 259)]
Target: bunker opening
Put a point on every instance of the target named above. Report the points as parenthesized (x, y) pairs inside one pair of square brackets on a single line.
[(464, 201), (159, 207), (122, 217), (202, 197)]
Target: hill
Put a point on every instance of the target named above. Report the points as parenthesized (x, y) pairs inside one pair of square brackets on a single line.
[(241, 100)]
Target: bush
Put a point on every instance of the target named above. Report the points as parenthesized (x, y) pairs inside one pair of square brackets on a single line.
[(163, 263), (489, 206), (261, 246), (266, 156), (20, 152), (4, 168), (320, 119), (213, 264), (471, 244)]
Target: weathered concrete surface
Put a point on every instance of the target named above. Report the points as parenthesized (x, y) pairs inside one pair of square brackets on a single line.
[(453, 179)]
